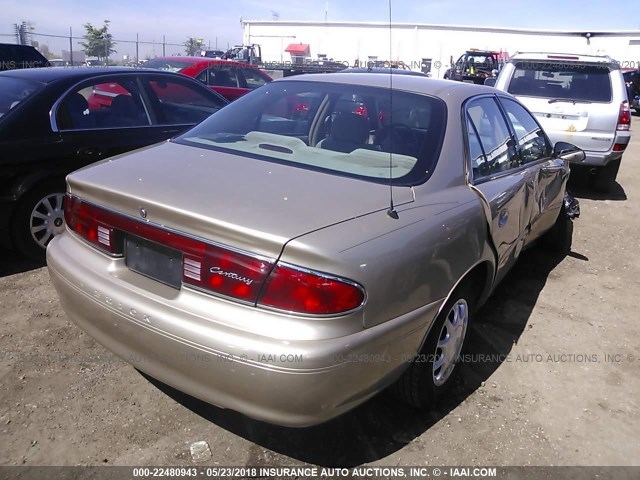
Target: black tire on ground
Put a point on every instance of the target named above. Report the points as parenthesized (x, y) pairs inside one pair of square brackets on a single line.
[(417, 386), (559, 238), (604, 178), (21, 227)]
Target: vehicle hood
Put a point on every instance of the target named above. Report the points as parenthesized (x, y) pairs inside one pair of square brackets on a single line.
[(243, 202)]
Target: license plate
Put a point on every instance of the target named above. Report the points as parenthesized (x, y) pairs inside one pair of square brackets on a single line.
[(153, 260)]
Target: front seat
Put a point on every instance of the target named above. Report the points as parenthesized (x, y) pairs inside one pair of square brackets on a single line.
[(125, 113), (76, 114), (349, 131)]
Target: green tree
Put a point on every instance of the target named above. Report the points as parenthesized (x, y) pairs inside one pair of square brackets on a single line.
[(193, 45), (98, 41)]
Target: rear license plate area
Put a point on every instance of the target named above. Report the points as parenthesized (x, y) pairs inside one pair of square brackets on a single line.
[(153, 260)]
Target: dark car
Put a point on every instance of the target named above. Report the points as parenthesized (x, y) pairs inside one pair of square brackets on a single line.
[(229, 79), (56, 120), (20, 56)]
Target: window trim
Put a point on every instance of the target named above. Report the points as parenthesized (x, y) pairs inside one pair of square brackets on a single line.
[(85, 82), (471, 180)]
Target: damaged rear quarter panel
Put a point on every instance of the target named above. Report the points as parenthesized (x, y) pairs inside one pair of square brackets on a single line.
[(406, 263)]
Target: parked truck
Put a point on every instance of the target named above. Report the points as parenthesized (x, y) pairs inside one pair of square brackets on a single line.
[(252, 54), (474, 66)]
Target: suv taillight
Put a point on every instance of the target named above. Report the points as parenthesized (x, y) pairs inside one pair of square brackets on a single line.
[(218, 269), (624, 119)]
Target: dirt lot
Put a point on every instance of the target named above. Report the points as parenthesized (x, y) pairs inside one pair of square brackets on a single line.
[(566, 392)]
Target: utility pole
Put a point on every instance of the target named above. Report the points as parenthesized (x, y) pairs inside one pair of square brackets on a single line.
[(71, 46)]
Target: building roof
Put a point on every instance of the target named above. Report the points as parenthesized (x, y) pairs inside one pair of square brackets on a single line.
[(298, 48), (434, 26)]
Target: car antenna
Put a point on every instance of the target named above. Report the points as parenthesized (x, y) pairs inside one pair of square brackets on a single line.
[(392, 210)]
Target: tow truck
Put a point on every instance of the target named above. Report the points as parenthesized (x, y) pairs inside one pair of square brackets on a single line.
[(474, 66), (252, 54)]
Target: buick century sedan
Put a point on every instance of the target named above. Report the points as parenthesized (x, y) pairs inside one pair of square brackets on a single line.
[(315, 242)]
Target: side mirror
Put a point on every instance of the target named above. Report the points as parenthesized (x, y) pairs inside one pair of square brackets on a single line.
[(568, 152), (490, 82)]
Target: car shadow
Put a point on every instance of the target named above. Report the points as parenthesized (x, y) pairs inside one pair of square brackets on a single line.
[(12, 262), (578, 186), (383, 425)]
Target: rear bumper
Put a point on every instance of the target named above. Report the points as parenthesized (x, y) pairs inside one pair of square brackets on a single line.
[(282, 381)]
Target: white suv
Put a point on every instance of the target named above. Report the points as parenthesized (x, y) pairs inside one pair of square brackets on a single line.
[(580, 99)]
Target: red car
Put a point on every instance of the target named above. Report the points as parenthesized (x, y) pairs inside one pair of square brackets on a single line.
[(229, 79)]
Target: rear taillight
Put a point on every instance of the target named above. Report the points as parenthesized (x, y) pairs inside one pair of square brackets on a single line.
[(624, 119), (226, 272), (218, 269), (86, 220), (291, 289)]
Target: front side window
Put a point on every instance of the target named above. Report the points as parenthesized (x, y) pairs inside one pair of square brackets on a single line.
[(181, 103), (490, 144), (352, 130), (112, 104), (561, 81), (532, 142)]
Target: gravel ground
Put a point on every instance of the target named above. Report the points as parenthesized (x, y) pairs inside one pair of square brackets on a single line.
[(566, 392)]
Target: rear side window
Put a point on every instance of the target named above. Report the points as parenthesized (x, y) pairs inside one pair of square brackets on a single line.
[(13, 91), (565, 81), (223, 77), (114, 104)]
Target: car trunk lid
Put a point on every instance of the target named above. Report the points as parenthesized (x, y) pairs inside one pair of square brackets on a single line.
[(248, 204)]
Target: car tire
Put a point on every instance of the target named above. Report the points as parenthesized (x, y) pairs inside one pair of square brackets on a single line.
[(423, 384), (38, 217), (559, 238), (604, 178)]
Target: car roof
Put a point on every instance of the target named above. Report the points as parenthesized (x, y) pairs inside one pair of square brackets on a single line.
[(564, 57), (394, 71), (51, 74), (207, 61), (449, 89)]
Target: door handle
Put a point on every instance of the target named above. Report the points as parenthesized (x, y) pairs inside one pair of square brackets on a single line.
[(89, 152)]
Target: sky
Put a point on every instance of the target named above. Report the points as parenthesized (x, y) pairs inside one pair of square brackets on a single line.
[(218, 23)]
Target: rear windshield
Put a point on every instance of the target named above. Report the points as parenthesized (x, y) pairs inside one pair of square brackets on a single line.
[(567, 81), (350, 130), (13, 91), (168, 65)]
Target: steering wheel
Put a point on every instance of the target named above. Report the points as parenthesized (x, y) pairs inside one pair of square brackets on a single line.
[(397, 138)]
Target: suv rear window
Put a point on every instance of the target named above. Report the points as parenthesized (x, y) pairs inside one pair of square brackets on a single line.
[(349, 130), (566, 81)]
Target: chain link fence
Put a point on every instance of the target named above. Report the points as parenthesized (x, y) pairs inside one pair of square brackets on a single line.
[(68, 47)]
